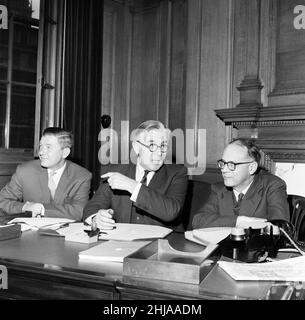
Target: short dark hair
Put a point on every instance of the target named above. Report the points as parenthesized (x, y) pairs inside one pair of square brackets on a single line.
[(253, 150), (64, 137)]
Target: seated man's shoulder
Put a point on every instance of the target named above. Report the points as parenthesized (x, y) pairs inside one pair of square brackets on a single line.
[(29, 166), (218, 186), (121, 168), (175, 168), (269, 178), (79, 170)]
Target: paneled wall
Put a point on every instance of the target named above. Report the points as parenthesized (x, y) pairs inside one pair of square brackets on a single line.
[(268, 72), (170, 60), (144, 62)]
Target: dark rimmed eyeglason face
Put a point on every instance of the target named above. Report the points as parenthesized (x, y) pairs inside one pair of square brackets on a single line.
[(236, 157)]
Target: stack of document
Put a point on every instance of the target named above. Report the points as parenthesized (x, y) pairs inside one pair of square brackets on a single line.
[(292, 269), (38, 223), (131, 231), (111, 250), (122, 232), (205, 236)]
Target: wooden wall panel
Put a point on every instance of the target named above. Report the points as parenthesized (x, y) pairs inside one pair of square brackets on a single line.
[(209, 64), (145, 66), (144, 63), (177, 84)]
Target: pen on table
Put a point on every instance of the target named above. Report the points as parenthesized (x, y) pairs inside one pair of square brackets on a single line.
[(93, 223), (288, 293), (111, 212), (292, 242)]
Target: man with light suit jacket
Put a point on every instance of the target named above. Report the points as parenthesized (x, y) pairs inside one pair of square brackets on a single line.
[(51, 186)]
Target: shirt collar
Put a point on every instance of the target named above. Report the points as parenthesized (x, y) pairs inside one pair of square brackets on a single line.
[(58, 171), (236, 193), (140, 172)]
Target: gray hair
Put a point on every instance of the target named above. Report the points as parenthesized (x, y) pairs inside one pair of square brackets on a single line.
[(148, 126)]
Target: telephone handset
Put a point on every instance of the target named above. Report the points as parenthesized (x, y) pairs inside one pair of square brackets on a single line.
[(255, 245)]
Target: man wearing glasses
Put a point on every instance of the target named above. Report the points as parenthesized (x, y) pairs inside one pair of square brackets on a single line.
[(147, 192), (247, 195)]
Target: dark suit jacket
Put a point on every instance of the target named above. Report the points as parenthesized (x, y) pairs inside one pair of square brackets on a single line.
[(30, 183), (266, 198), (161, 201)]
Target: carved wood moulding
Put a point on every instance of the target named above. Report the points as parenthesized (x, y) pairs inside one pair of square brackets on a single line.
[(279, 130), (257, 114)]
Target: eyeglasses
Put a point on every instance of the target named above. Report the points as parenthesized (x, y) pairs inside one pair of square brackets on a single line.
[(231, 165), (154, 147)]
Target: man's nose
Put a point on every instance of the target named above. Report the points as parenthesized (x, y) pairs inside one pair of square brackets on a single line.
[(158, 152), (41, 151), (225, 168)]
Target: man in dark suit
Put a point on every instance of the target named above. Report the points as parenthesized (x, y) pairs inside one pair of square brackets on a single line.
[(51, 186), (148, 192), (247, 194)]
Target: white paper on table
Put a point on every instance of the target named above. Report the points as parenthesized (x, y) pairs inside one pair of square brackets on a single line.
[(73, 229), (292, 269), (131, 231), (254, 224), (36, 223), (111, 250), (205, 236)]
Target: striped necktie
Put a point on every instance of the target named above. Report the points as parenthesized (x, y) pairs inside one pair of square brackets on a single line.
[(144, 178), (238, 204)]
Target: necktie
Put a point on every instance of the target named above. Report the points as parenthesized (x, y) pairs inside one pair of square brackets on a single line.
[(238, 203), (144, 178), (135, 212), (51, 183)]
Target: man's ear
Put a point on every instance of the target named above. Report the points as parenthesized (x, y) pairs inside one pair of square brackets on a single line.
[(253, 167), (66, 152), (135, 147)]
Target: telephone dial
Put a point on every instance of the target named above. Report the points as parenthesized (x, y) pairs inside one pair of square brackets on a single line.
[(255, 245)]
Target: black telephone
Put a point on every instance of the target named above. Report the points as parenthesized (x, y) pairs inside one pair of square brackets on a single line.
[(255, 245)]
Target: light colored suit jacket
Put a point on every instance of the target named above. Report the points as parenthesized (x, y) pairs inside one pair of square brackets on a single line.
[(30, 183), (266, 198)]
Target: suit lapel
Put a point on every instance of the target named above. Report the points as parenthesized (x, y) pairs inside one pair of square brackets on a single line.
[(158, 179), (131, 173), (63, 183), (43, 180), (227, 202), (253, 197)]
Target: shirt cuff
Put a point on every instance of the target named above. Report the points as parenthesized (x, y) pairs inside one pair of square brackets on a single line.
[(23, 210), (89, 219), (42, 210), (135, 193)]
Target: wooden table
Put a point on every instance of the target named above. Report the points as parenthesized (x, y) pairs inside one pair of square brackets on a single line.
[(46, 267)]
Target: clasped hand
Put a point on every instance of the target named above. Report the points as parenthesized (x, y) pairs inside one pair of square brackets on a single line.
[(35, 208), (104, 219)]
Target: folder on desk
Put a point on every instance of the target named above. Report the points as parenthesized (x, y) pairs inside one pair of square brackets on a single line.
[(134, 231), (111, 250)]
